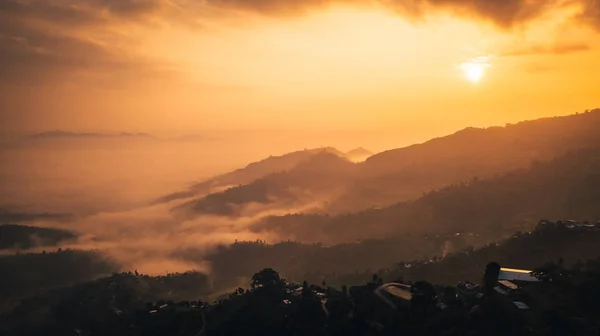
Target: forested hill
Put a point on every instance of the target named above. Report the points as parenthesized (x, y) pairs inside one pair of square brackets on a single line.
[(565, 187), (311, 182), (252, 172), (405, 173), (524, 250)]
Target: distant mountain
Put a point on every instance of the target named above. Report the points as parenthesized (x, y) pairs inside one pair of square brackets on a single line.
[(26, 274), (407, 173), (316, 178), (248, 174), (566, 187), (358, 154), (66, 135), (192, 138), (565, 304), (135, 135)]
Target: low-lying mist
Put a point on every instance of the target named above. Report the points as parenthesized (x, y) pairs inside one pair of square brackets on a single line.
[(150, 239), (107, 191)]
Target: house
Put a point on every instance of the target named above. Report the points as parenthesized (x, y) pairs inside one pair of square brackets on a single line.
[(512, 274), (508, 285)]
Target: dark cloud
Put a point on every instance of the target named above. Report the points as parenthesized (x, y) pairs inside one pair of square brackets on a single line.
[(24, 45), (82, 12), (57, 13), (130, 8), (558, 49), (40, 39), (591, 13), (503, 13)]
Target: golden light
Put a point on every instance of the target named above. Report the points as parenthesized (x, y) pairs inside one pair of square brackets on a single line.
[(474, 69)]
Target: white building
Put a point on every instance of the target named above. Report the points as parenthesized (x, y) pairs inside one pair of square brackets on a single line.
[(512, 274)]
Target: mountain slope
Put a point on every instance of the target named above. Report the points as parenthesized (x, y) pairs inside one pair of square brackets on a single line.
[(73, 135), (317, 178), (562, 188), (523, 251), (406, 173), (248, 174)]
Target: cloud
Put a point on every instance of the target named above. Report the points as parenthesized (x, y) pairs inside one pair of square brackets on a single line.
[(558, 49), (153, 241), (590, 14), (503, 13), (538, 68), (70, 12), (42, 41)]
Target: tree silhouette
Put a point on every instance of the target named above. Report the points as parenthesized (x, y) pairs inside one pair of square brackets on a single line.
[(268, 279)]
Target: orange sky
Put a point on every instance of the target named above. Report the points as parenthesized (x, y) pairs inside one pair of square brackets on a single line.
[(182, 66)]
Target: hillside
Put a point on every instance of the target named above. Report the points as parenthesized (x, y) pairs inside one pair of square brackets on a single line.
[(528, 250), (248, 174), (131, 303), (25, 274), (73, 135), (60, 311), (565, 187), (406, 173), (299, 261), (548, 241), (311, 182)]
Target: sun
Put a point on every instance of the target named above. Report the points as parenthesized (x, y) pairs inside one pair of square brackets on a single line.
[(474, 69)]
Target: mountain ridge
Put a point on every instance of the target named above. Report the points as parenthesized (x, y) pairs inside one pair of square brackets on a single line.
[(251, 172), (311, 179), (568, 186), (59, 134)]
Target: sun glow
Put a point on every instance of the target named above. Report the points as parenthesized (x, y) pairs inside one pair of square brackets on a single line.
[(474, 69)]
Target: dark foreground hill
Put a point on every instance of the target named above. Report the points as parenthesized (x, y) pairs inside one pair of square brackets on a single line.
[(441, 259), (564, 303), (25, 274), (548, 241), (95, 307)]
